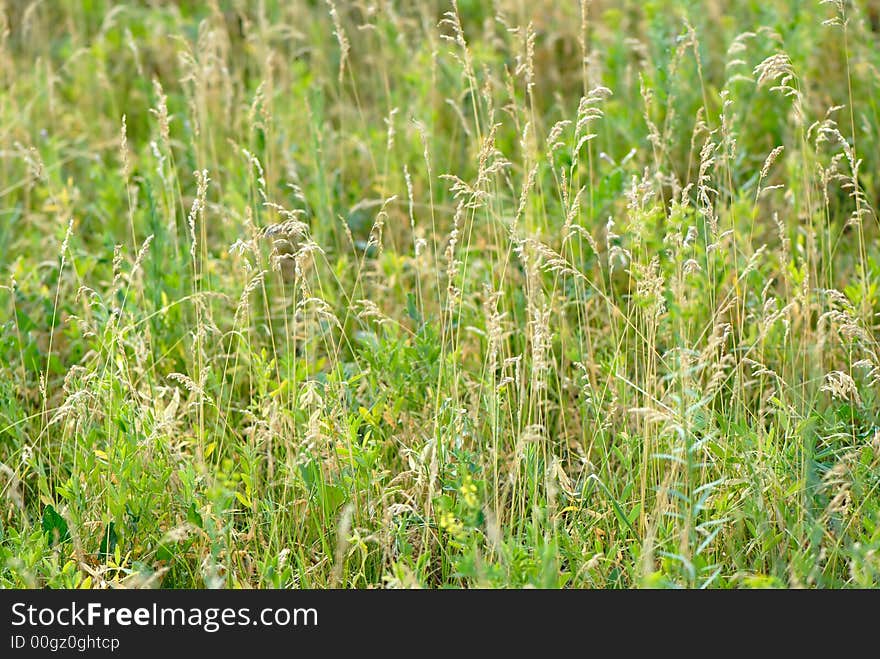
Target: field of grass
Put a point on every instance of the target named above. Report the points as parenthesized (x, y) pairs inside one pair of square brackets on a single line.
[(437, 294)]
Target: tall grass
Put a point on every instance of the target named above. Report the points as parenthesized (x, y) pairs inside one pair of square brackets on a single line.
[(439, 294)]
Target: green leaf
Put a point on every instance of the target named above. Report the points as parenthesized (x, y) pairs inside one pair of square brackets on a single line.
[(193, 516), (411, 309), (55, 525), (108, 542)]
